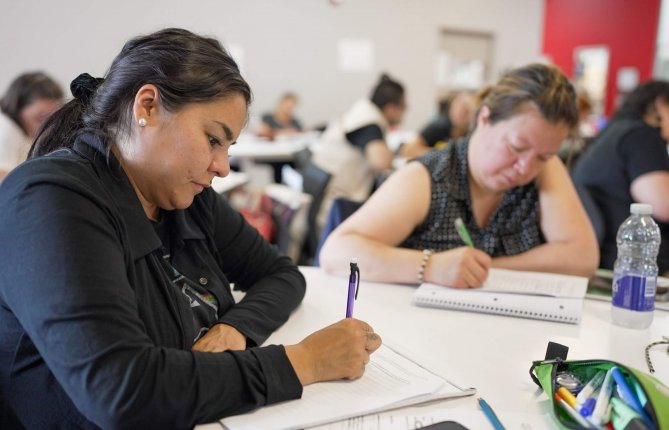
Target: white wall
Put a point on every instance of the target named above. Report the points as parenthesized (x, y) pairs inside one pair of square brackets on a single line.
[(288, 44), (662, 55)]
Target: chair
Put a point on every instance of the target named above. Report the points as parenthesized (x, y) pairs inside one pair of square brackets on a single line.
[(289, 212), (593, 211), (315, 182), (341, 209), (302, 158)]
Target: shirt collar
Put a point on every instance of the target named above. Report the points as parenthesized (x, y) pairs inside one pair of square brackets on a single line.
[(142, 236), (184, 226)]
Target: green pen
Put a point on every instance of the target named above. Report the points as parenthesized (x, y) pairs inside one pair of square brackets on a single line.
[(463, 233)]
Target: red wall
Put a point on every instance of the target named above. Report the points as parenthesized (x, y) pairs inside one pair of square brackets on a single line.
[(627, 27)]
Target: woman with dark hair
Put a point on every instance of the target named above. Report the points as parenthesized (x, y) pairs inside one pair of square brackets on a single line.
[(455, 116), (353, 147), (628, 163), (281, 121), (28, 102), (118, 258), (504, 181)]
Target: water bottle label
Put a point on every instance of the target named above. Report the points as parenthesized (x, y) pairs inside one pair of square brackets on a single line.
[(635, 293)]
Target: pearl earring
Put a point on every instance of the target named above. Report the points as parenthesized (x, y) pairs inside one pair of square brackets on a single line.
[(142, 122)]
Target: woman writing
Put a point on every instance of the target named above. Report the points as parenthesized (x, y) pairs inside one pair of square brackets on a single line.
[(504, 181), (115, 302)]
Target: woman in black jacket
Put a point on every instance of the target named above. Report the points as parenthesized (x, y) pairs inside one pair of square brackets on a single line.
[(118, 258)]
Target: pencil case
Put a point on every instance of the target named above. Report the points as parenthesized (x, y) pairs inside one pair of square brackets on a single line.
[(652, 395)]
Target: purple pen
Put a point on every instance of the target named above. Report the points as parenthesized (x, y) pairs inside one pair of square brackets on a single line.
[(353, 285)]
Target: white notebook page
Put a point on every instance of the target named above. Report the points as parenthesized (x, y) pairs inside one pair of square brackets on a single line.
[(389, 379), (545, 284)]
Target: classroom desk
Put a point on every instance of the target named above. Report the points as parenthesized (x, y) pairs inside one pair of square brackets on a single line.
[(229, 183), (260, 149), (492, 353)]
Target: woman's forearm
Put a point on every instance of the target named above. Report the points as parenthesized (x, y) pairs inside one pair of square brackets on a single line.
[(569, 259), (377, 261)]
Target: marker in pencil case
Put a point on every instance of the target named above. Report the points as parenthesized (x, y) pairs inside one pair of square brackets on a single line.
[(592, 386)]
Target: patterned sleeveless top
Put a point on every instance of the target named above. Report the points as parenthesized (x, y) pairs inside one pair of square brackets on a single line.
[(513, 229)]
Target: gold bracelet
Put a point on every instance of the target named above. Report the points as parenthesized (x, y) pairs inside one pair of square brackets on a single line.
[(427, 253)]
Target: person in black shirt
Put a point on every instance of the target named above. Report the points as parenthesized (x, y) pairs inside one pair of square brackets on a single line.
[(282, 121), (628, 163), (455, 116), (118, 258)]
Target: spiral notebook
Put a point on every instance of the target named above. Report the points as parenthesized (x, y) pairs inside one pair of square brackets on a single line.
[(543, 296)]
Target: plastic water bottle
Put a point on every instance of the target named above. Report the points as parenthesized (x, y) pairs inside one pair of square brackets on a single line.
[(635, 269)]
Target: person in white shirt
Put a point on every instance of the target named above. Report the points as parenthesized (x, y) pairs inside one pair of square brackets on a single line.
[(353, 147), (28, 102)]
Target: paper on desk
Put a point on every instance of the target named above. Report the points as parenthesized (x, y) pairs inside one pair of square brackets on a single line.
[(545, 284), (470, 418), (390, 380)]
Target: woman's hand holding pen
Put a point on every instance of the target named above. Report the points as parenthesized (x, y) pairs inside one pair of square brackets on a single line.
[(463, 267), (339, 351)]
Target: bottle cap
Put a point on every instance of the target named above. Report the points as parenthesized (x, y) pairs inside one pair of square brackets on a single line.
[(570, 381), (641, 209)]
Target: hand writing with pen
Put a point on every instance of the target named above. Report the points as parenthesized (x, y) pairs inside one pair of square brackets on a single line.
[(339, 351)]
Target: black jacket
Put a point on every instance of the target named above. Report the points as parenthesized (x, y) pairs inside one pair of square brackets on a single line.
[(92, 333)]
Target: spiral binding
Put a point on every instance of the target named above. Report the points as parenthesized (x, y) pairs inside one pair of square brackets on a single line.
[(491, 309)]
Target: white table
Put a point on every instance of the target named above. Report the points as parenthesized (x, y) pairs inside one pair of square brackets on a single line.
[(492, 353), (260, 149), (229, 183)]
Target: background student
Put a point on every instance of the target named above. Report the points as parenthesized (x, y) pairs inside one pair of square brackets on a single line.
[(453, 122), (504, 181), (117, 259), (281, 121), (353, 147), (28, 102), (628, 163)]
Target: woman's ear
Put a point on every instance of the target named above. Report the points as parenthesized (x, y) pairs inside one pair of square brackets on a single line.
[(483, 117), (146, 105), (658, 103)]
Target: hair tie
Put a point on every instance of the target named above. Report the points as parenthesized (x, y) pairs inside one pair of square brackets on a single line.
[(83, 87)]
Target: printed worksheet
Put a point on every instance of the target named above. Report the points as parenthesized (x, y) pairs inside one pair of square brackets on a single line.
[(470, 418), (390, 380)]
